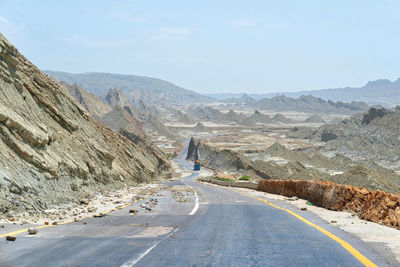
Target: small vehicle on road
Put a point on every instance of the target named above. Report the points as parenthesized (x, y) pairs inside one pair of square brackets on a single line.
[(196, 165)]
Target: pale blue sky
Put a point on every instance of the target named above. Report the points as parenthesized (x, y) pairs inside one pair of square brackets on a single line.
[(213, 46)]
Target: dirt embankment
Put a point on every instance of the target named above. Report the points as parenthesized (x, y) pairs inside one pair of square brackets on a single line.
[(374, 206)]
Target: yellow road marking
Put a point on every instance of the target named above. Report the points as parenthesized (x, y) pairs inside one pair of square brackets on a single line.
[(71, 221), (364, 260)]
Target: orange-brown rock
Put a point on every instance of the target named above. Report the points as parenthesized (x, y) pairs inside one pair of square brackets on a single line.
[(376, 206)]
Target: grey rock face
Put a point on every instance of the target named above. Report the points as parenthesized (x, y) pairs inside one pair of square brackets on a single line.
[(52, 152)]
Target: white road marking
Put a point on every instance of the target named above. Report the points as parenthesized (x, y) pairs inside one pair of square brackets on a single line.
[(133, 261), (240, 201), (196, 205)]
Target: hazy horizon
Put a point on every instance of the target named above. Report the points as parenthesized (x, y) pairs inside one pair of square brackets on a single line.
[(226, 92), (212, 47)]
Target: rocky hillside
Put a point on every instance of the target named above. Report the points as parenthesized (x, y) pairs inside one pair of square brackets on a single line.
[(372, 135), (348, 172), (262, 118), (121, 118), (89, 101), (151, 91), (282, 119), (52, 151), (233, 161), (233, 116), (375, 136), (342, 169), (206, 113), (314, 119), (135, 115)]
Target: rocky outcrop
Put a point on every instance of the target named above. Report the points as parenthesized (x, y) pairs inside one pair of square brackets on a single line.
[(134, 117), (233, 161), (206, 113), (300, 165), (282, 119), (372, 114), (233, 116), (314, 119), (341, 169), (327, 136), (262, 118), (121, 118), (182, 117), (89, 101), (52, 152), (373, 135), (199, 127), (217, 159), (375, 206)]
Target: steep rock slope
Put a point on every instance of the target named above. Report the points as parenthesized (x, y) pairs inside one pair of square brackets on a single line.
[(234, 161), (52, 151), (262, 118), (89, 101), (136, 117), (121, 118), (315, 119), (377, 136), (280, 118), (233, 116), (206, 113)]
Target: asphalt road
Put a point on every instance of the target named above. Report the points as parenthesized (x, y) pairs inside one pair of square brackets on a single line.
[(215, 226)]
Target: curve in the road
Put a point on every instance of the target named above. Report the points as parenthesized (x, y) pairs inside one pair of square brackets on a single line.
[(364, 260)]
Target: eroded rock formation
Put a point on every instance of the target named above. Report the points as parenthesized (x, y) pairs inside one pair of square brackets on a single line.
[(52, 152)]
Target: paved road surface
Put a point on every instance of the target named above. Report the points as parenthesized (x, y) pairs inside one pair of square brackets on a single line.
[(216, 227)]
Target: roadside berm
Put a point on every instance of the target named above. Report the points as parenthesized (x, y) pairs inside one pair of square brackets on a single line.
[(375, 206)]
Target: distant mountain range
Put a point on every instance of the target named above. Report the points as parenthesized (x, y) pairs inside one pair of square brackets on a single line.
[(380, 92), (159, 93), (303, 103), (151, 91)]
